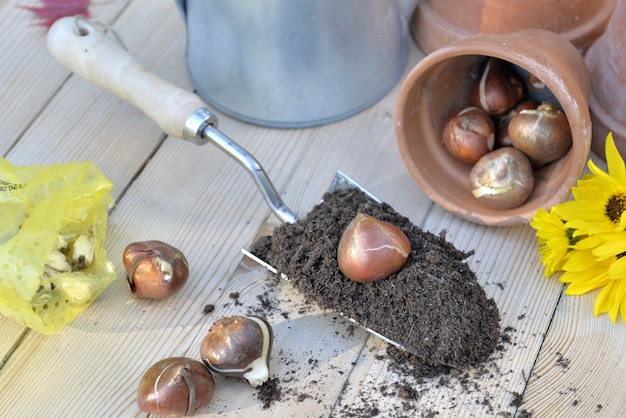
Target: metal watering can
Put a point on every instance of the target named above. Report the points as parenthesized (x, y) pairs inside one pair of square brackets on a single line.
[(294, 63)]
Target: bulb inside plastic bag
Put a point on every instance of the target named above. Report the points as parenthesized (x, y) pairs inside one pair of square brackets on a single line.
[(52, 259)]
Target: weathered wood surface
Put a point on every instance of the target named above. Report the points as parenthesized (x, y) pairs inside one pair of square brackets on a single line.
[(560, 360)]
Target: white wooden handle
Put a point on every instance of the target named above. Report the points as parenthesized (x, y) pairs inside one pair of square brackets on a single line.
[(88, 52)]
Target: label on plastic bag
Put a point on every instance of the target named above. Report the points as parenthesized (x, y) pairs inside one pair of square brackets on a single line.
[(52, 259)]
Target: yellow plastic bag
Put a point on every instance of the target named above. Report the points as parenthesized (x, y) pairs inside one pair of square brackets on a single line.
[(52, 259)]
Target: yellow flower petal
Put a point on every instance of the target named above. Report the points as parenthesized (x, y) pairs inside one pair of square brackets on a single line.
[(615, 163), (601, 305), (622, 308), (610, 249), (617, 270), (611, 299), (589, 242), (578, 285), (597, 173), (616, 299), (579, 261)]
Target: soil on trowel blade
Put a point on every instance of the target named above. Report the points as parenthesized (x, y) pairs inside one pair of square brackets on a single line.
[(434, 305)]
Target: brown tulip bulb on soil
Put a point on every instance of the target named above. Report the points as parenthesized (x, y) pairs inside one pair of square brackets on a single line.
[(371, 249), (502, 179), (469, 134), (502, 129), (543, 134), (175, 386), (155, 269), (239, 346), (499, 89)]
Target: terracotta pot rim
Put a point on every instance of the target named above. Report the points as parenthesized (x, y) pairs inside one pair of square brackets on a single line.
[(590, 29)]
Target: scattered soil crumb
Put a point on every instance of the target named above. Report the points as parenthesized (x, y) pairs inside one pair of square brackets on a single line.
[(562, 361), (269, 392), (517, 400), (235, 296), (506, 336), (434, 305), (208, 309)]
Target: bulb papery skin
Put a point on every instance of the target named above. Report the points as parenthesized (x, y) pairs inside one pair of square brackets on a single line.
[(503, 139), (502, 179), (175, 386), (543, 134), (239, 346), (499, 88), (469, 134), (371, 249), (154, 269)]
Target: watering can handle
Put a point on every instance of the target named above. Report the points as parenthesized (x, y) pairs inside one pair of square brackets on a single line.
[(91, 54)]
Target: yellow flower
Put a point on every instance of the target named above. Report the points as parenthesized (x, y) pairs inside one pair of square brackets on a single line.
[(586, 237), (553, 238), (599, 203)]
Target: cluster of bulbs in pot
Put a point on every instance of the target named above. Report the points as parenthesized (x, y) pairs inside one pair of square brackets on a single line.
[(505, 137)]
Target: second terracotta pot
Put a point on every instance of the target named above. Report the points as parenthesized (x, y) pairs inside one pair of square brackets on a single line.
[(442, 83), (606, 61), (436, 23)]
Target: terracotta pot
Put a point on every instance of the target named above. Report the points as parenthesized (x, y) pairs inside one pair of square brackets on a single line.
[(606, 61), (436, 23), (441, 84)]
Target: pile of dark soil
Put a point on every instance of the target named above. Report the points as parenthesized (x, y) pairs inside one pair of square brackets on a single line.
[(434, 306)]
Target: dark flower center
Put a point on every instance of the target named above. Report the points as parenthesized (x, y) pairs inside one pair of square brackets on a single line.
[(614, 207)]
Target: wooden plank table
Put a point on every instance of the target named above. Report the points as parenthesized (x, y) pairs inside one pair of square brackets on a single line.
[(558, 359)]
